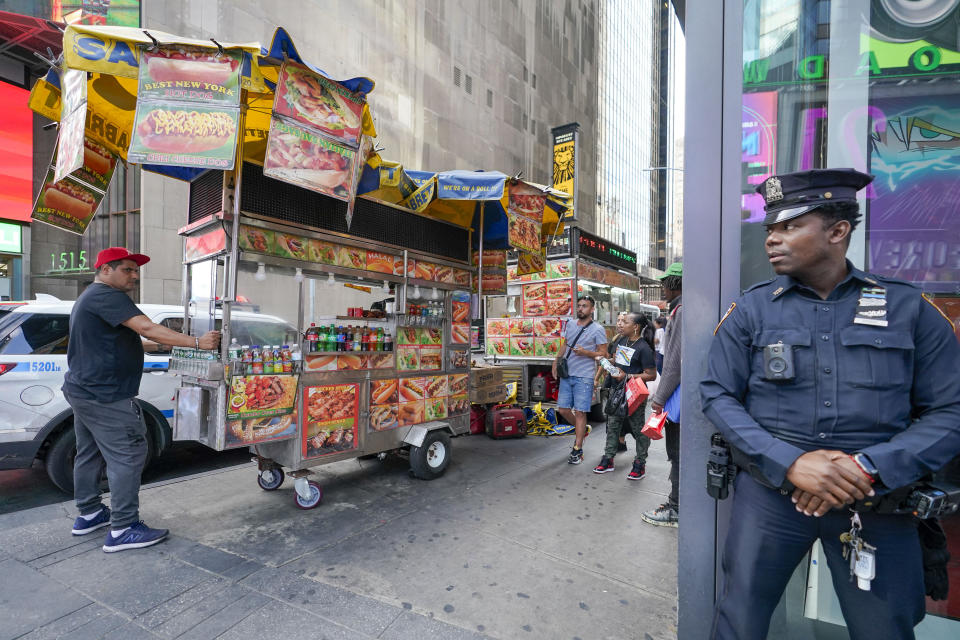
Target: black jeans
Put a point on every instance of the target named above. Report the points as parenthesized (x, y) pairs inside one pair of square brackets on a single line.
[(671, 435)]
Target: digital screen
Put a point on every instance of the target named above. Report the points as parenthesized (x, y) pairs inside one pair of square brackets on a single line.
[(913, 227), (16, 161), (599, 249), (758, 149)]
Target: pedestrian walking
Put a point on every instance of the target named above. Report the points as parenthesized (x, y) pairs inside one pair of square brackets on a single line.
[(668, 513), (661, 324), (584, 341), (632, 354), (105, 363), (833, 385)]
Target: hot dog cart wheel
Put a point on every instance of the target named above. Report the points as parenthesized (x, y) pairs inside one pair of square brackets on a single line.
[(314, 494), (270, 479), (430, 459)]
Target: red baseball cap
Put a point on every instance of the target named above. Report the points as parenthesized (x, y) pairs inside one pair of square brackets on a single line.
[(119, 253)]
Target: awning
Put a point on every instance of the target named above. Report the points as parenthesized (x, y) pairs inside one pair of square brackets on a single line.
[(463, 198)]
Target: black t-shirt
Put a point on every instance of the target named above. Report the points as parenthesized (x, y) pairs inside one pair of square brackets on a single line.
[(105, 358), (638, 353)]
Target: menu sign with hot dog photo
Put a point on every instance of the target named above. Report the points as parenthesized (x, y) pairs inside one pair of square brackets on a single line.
[(70, 203), (188, 108), (184, 135)]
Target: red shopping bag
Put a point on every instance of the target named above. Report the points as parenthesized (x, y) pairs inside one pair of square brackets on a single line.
[(654, 427), (637, 394)]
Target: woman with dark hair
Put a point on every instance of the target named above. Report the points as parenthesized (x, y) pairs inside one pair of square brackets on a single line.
[(632, 354)]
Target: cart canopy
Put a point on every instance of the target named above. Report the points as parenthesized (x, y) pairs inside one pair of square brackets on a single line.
[(464, 198)]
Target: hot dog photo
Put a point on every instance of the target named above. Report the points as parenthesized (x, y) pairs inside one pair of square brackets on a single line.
[(436, 386), (461, 312), (384, 392), (412, 389), (559, 290), (98, 165), (460, 334), (183, 131), (458, 383), (384, 417), (66, 204), (190, 74)]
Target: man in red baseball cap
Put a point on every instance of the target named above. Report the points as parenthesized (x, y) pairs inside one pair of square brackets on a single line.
[(105, 363)]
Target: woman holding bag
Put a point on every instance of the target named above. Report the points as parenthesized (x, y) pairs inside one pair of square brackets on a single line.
[(632, 354)]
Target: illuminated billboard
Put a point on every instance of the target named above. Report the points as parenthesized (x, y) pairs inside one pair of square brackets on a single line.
[(16, 161)]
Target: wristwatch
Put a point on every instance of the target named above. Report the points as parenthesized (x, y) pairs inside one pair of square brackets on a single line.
[(867, 466)]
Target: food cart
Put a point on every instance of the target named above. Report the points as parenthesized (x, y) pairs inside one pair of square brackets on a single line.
[(524, 328), (359, 340), (374, 376)]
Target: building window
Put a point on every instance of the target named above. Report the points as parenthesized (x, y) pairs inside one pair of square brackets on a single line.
[(456, 76), (524, 122), (468, 85), (524, 73), (533, 127), (534, 81), (490, 98)]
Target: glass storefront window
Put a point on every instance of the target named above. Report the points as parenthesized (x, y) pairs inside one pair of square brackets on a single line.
[(872, 85)]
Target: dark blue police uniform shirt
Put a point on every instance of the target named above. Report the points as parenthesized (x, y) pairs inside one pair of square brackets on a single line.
[(891, 392), (105, 358)]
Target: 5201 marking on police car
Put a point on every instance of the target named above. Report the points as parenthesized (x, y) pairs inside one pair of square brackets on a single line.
[(44, 366)]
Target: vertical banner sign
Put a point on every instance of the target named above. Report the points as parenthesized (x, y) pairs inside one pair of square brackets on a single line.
[(314, 139), (565, 157), (70, 203), (73, 116), (188, 108)]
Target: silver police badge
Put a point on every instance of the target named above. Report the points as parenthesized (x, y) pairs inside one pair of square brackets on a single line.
[(773, 189)]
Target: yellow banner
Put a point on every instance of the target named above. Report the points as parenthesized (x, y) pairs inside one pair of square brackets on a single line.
[(420, 198), (564, 167)]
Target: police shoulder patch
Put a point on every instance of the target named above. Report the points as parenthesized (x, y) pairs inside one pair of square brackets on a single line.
[(733, 305), (939, 310)]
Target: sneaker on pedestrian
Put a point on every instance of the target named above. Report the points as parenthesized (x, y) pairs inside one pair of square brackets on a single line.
[(136, 536), (662, 516), (638, 472), (621, 446), (605, 466), (82, 526), (576, 456)]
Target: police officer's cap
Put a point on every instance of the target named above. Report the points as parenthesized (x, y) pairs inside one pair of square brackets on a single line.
[(794, 194)]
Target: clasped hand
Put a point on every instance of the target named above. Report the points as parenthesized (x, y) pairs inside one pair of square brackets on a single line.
[(826, 480)]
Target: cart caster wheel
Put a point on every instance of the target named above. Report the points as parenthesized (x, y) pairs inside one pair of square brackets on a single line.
[(315, 496), (430, 459), (270, 479)]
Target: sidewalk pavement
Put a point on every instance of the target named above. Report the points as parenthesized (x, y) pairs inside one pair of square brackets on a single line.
[(512, 542)]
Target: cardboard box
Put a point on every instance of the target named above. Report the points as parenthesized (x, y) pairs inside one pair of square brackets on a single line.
[(485, 376), (490, 394)]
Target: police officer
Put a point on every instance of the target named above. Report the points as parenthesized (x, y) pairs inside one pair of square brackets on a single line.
[(834, 385)]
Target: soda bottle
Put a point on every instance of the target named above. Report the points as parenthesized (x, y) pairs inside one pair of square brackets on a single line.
[(388, 342), (256, 360), (287, 357), (311, 336), (277, 359)]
